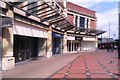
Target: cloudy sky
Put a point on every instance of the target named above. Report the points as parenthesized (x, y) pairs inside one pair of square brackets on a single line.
[(106, 12)]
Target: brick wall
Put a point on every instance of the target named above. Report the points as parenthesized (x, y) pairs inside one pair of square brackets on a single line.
[(70, 17), (92, 24), (80, 9)]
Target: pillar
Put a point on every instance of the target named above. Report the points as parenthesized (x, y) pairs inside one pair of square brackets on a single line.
[(49, 43), (65, 8), (8, 61), (88, 23), (96, 43), (71, 46), (85, 22), (0, 42), (65, 43)]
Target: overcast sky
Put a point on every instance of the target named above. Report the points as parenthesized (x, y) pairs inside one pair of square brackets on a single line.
[(106, 12)]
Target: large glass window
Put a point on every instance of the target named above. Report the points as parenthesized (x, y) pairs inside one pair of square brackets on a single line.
[(82, 21), (87, 22), (76, 18)]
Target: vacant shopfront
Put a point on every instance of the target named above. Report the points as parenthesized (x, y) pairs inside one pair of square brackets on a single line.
[(29, 42), (74, 43), (88, 44), (57, 41), (25, 48)]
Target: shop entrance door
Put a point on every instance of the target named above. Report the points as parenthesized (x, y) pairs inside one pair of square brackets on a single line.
[(57, 46)]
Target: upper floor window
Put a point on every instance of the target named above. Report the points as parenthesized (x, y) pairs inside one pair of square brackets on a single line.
[(76, 18), (87, 23), (82, 21)]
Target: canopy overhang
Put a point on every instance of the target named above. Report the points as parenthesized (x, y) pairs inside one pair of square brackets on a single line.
[(52, 13), (87, 31), (46, 11)]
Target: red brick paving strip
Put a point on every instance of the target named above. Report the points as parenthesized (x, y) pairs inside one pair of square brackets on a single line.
[(76, 76), (58, 76), (89, 65)]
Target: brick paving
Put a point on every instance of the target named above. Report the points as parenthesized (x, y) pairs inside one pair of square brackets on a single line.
[(98, 65), (41, 68)]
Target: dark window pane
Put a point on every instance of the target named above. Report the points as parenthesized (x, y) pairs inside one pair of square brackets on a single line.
[(76, 20), (87, 22), (82, 22)]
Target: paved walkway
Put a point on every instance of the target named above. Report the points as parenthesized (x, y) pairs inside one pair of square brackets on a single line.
[(42, 68), (88, 65), (91, 65)]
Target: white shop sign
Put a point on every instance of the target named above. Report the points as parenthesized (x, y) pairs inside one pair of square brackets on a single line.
[(28, 30), (88, 39), (70, 38)]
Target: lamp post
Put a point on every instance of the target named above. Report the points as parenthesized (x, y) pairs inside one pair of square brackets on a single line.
[(0, 41), (101, 37), (101, 40), (109, 31)]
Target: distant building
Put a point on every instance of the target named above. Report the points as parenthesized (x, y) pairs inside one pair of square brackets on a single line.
[(104, 42)]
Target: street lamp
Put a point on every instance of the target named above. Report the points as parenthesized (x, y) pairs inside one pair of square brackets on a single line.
[(101, 37), (109, 31)]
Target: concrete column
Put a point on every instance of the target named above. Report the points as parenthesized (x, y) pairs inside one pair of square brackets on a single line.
[(8, 61), (78, 22), (96, 43), (49, 43), (71, 46), (0, 43), (65, 10), (85, 22), (65, 43), (88, 23)]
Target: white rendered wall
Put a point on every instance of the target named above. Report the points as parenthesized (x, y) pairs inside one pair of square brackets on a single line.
[(88, 46)]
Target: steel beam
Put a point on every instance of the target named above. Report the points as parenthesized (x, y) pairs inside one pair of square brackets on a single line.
[(27, 4), (50, 17), (47, 14), (39, 10), (57, 21), (44, 12), (36, 6)]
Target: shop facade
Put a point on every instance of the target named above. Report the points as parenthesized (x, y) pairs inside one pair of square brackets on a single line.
[(29, 41), (81, 43), (74, 43), (23, 42)]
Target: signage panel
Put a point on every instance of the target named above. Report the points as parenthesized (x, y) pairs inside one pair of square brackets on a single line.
[(88, 39), (29, 30), (70, 38), (7, 22), (57, 35), (78, 38)]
